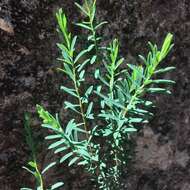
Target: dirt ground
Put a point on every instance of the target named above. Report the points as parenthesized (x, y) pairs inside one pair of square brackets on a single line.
[(27, 76)]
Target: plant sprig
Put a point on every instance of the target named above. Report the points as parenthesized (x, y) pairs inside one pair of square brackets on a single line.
[(98, 139), (33, 167)]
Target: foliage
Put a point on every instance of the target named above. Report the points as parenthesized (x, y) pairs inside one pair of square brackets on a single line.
[(99, 140), (33, 165)]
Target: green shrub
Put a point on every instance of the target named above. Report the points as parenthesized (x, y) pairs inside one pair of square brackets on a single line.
[(105, 113)]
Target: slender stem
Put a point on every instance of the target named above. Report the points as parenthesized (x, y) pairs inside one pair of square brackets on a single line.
[(138, 91), (93, 31), (112, 96), (80, 102), (94, 37), (116, 163), (40, 176), (111, 84), (129, 105)]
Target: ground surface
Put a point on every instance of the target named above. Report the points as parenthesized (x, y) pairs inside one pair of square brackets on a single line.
[(28, 76)]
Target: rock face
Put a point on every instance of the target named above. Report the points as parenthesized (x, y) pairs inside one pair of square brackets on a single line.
[(27, 76)]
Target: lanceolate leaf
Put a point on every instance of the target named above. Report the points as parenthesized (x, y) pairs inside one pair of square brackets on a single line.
[(73, 161), (71, 106), (50, 137), (89, 108), (163, 81), (48, 167), (57, 185), (81, 8), (101, 24), (158, 90), (57, 143), (130, 130), (73, 43), (69, 91), (89, 91), (84, 26), (66, 157), (164, 70), (93, 59), (58, 150), (81, 66)]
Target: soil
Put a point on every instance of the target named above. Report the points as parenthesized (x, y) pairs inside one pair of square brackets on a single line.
[(28, 76)]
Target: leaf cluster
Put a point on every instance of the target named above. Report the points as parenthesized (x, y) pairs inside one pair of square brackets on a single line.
[(33, 167), (99, 140)]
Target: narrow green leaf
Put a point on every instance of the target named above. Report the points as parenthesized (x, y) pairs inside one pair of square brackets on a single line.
[(48, 167), (166, 45), (69, 91), (83, 153), (91, 37), (158, 90), (119, 62), (164, 70), (57, 185), (143, 59), (90, 47), (163, 81), (82, 9), (110, 101), (81, 66), (73, 161), (82, 163), (81, 75), (68, 71), (63, 48), (97, 73), (80, 55), (50, 137), (89, 109), (93, 12), (32, 164), (130, 130), (51, 127), (71, 106), (70, 127), (66, 157), (58, 150), (84, 26), (89, 91), (136, 120), (30, 171), (57, 143), (110, 116), (73, 43), (93, 59), (101, 24)]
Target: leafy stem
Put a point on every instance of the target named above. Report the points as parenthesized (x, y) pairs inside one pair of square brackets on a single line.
[(68, 51), (120, 104), (155, 57), (39, 176), (89, 10), (112, 67), (80, 102), (32, 165)]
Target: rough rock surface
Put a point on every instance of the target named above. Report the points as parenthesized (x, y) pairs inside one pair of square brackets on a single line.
[(28, 76)]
